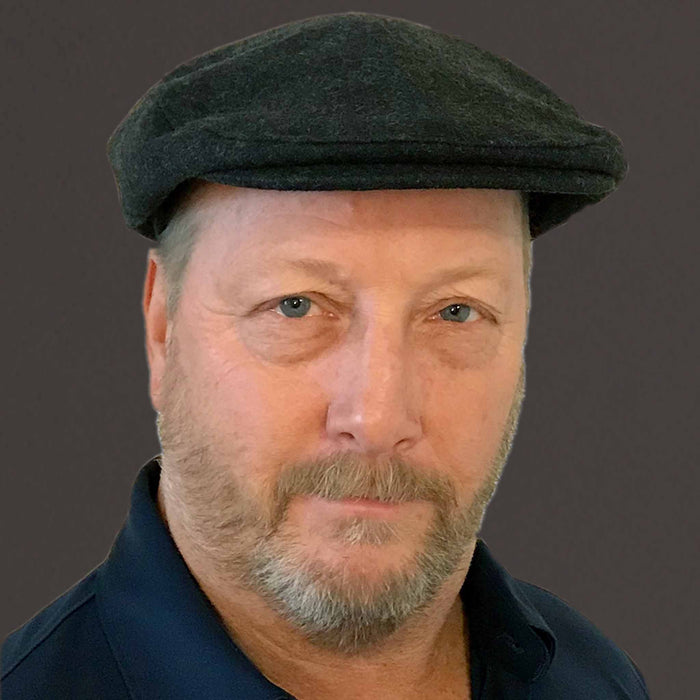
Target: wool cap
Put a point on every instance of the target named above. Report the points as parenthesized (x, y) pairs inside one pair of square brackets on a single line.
[(358, 101)]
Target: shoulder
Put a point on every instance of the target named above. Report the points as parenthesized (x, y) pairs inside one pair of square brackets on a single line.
[(585, 658), (62, 652)]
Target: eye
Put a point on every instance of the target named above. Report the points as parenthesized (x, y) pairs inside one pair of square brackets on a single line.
[(298, 306), (459, 312)]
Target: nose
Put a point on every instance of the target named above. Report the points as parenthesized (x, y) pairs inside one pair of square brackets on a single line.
[(373, 405)]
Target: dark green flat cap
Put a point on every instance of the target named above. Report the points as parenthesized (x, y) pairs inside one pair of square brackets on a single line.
[(358, 101)]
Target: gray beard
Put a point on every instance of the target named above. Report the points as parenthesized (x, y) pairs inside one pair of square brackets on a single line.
[(349, 619)]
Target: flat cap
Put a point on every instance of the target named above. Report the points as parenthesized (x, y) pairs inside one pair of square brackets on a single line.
[(358, 101)]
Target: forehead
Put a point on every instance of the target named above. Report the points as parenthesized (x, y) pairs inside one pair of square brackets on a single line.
[(249, 217), (401, 240)]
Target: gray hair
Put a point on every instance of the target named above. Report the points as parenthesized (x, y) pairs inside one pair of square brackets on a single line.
[(176, 243)]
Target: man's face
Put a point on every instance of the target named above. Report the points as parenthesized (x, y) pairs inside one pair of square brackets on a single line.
[(332, 438)]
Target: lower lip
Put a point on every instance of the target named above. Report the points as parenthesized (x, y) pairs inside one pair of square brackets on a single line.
[(359, 506), (368, 503)]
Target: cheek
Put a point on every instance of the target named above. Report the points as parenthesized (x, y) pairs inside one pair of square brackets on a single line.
[(465, 426), (257, 414)]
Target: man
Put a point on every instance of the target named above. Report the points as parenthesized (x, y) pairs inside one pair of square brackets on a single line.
[(336, 316)]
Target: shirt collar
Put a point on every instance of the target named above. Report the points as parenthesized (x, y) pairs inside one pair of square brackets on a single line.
[(506, 631), (170, 642)]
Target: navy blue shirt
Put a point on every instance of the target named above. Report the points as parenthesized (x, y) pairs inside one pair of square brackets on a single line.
[(139, 627)]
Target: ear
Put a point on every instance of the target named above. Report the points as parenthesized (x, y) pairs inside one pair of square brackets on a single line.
[(156, 325)]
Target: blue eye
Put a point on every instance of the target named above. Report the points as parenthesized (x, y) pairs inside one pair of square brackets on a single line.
[(298, 306), (457, 312)]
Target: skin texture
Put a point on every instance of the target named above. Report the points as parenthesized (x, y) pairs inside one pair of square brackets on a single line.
[(280, 392)]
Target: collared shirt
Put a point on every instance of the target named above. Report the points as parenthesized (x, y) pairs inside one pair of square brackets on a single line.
[(139, 627)]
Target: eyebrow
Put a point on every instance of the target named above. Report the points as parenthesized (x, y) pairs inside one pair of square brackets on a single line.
[(331, 272)]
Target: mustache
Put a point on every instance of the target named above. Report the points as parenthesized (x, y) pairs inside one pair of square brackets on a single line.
[(343, 475)]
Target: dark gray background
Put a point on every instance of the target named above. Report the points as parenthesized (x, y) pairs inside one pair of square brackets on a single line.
[(599, 501)]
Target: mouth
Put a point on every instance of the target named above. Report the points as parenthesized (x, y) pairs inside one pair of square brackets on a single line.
[(359, 507)]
